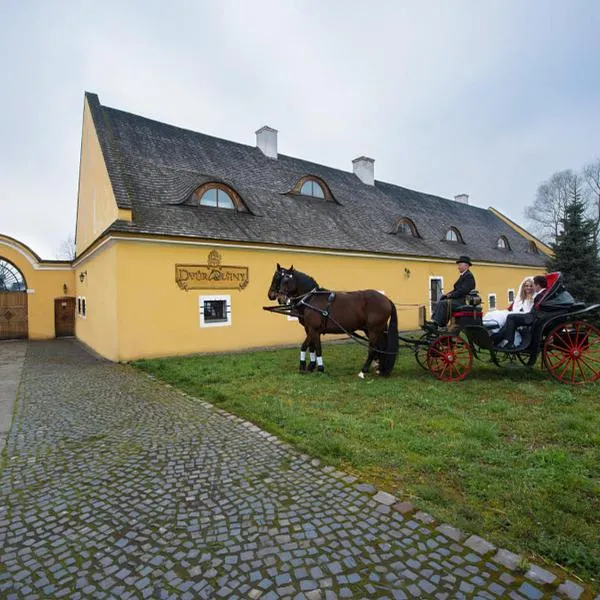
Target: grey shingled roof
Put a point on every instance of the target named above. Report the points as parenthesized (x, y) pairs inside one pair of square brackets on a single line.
[(154, 167)]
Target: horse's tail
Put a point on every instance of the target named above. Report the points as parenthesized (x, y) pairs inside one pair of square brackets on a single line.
[(388, 360)]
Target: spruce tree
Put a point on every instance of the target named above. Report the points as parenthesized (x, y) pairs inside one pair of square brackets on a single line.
[(576, 252)]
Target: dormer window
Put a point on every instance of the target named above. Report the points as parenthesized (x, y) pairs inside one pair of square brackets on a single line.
[(532, 247), (217, 195), (313, 187), (453, 235), (502, 243), (406, 227)]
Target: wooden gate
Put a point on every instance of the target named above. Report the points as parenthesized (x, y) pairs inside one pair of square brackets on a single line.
[(13, 315), (64, 316)]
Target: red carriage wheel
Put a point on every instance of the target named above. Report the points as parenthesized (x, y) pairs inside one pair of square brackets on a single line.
[(449, 358), (572, 352)]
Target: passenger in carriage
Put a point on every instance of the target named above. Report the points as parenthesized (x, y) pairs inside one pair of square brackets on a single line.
[(515, 320), (523, 303)]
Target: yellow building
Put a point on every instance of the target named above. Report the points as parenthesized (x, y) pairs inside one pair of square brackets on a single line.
[(178, 234), (35, 295)]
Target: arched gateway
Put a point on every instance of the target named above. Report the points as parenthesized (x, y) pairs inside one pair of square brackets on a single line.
[(13, 301), (37, 297)]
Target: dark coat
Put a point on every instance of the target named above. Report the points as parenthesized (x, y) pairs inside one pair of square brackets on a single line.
[(463, 285)]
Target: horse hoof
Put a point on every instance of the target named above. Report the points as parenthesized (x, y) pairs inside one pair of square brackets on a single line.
[(378, 372), (302, 366), (321, 369), (311, 366), (361, 375)]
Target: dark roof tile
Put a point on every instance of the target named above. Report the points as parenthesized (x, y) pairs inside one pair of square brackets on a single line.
[(154, 168)]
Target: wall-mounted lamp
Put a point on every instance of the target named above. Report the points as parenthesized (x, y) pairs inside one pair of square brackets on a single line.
[(82, 276), (406, 272), (65, 289)]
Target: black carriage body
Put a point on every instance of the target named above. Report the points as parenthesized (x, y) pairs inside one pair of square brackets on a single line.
[(558, 327)]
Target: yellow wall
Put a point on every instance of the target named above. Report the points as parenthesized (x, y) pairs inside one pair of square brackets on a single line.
[(96, 204), (141, 312), (98, 329), (45, 281)]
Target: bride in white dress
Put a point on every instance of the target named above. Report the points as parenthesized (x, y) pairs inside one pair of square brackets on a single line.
[(522, 303)]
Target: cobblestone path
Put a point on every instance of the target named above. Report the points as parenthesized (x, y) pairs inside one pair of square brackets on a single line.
[(117, 486)]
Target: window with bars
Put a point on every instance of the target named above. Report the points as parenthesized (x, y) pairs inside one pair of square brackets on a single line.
[(215, 311)]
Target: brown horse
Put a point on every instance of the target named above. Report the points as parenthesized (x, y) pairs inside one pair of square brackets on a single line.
[(321, 311), (274, 294)]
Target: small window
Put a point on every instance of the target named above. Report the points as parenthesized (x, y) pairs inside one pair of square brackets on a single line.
[(312, 188), (532, 247), (491, 301), (511, 296), (407, 227), (215, 311), (216, 197), (453, 235), (81, 307), (502, 243)]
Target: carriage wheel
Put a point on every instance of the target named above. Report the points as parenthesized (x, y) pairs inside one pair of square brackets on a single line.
[(525, 359), (421, 351), (572, 352), (449, 358)]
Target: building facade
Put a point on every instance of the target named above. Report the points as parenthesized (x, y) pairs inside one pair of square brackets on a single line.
[(178, 235)]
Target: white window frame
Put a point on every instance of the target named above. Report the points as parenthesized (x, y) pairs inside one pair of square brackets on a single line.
[(431, 277), (490, 296), (80, 300), (508, 295), (225, 323)]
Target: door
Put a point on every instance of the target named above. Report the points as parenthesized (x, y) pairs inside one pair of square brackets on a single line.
[(435, 291), (64, 316), (13, 315)]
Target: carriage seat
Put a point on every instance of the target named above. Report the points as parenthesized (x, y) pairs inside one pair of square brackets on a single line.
[(470, 312)]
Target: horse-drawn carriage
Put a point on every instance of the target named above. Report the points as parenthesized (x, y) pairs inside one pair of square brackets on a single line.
[(561, 333)]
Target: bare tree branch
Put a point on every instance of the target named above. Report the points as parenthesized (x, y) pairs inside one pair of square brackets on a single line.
[(66, 250), (550, 203), (591, 174), (553, 196)]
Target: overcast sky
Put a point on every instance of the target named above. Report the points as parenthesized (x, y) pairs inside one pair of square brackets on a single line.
[(485, 97)]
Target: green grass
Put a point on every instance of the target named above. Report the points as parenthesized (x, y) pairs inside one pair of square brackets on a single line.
[(508, 454)]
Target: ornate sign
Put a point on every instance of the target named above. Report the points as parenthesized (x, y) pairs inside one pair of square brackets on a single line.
[(213, 275)]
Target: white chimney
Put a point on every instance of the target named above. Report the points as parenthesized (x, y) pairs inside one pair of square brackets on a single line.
[(266, 141), (364, 169), (464, 198)]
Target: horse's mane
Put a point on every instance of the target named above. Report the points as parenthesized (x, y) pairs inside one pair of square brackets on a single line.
[(306, 283)]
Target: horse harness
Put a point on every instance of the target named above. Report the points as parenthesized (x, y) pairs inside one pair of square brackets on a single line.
[(301, 302)]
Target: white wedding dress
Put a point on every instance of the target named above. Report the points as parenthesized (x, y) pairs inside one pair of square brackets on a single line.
[(495, 319)]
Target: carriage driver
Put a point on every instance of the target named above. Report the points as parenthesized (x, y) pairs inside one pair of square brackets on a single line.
[(462, 286)]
